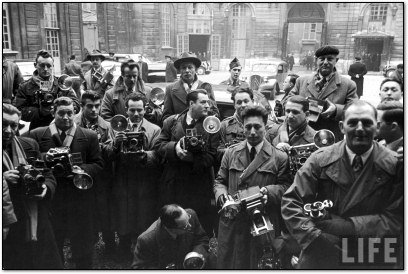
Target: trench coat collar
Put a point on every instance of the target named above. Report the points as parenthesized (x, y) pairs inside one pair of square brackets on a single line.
[(306, 135), (261, 157), (331, 87), (364, 184)]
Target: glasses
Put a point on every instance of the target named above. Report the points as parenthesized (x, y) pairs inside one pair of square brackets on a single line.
[(255, 126), (13, 126), (44, 65)]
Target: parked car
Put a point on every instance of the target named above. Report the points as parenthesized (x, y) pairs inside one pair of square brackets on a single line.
[(26, 68), (390, 68), (153, 66)]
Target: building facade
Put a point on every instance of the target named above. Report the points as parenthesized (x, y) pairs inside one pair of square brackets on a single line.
[(29, 27)]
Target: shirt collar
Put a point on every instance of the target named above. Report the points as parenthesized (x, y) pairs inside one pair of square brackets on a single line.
[(139, 125), (258, 147), (364, 156), (189, 119)]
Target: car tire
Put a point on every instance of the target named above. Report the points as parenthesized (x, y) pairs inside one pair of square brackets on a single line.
[(201, 71), (389, 72)]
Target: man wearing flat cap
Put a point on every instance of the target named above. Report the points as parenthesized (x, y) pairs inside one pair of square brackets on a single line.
[(93, 78), (176, 93), (326, 84), (171, 71), (357, 72)]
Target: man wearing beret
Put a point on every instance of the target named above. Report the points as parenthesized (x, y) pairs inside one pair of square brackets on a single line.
[(328, 85), (357, 72), (176, 93)]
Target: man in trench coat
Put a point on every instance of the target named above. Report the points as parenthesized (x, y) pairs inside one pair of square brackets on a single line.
[(357, 72), (269, 169)]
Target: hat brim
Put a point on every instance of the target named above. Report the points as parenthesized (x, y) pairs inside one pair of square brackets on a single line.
[(194, 60), (96, 55)]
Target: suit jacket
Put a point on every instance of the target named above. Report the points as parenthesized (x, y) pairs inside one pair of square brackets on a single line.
[(273, 135), (237, 248), (144, 69), (175, 99), (340, 91), (156, 248), (372, 200)]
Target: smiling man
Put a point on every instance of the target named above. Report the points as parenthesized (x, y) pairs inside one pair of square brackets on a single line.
[(176, 93), (295, 130), (328, 85), (360, 177)]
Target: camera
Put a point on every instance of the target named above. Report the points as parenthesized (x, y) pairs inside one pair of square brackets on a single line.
[(134, 142), (317, 210), (32, 177), (63, 161), (193, 142), (45, 98)]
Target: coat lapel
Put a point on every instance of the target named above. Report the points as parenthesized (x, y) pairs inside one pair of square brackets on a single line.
[(332, 87), (311, 87), (260, 158), (179, 92)]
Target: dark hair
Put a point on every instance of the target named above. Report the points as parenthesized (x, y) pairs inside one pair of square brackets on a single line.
[(44, 54), (128, 64), (391, 80), (10, 109), (400, 66), (358, 103), (72, 57), (393, 112), (91, 95), (193, 95), (301, 101), (242, 90), (135, 97), (257, 111), (293, 78), (62, 101), (168, 215), (358, 58)]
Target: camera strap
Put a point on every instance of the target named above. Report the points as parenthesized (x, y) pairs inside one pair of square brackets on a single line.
[(18, 155), (70, 134)]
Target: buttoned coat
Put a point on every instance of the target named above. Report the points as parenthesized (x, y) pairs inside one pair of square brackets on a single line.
[(274, 135), (373, 201), (341, 91), (175, 99), (113, 102), (73, 208), (237, 248), (359, 69), (155, 248), (135, 185)]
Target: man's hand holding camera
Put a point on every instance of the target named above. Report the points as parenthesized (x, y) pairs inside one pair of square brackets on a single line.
[(182, 153), (120, 137), (11, 176), (283, 146), (41, 196), (330, 111)]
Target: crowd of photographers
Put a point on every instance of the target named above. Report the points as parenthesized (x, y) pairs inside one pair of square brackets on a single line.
[(155, 168)]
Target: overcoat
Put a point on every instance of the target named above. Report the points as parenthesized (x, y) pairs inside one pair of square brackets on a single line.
[(73, 208), (373, 200), (171, 72), (340, 91), (274, 135), (135, 186), (17, 252), (237, 248), (155, 248), (359, 69)]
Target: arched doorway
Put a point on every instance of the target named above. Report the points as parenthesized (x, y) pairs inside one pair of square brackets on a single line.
[(305, 29)]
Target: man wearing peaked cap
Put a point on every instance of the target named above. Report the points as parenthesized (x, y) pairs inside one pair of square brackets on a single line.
[(235, 70), (328, 85), (176, 92)]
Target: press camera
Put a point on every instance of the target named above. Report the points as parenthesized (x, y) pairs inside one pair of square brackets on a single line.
[(135, 141), (32, 178), (193, 142), (317, 210), (63, 163)]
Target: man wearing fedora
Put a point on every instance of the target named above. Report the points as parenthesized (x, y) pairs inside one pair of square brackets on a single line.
[(93, 77), (326, 84), (171, 71), (176, 93)]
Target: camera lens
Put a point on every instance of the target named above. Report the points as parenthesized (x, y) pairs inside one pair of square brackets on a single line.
[(58, 169), (193, 141), (40, 179), (134, 142), (48, 98)]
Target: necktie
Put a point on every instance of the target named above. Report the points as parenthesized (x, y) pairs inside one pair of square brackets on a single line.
[(252, 153), (62, 136), (357, 163), (321, 83)]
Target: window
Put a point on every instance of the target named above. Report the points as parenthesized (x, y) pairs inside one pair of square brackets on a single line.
[(89, 7), (215, 46), (199, 19), (182, 43), (310, 29), (378, 12), (165, 25), (240, 21), (50, 15), (52, 42), (6, 29)]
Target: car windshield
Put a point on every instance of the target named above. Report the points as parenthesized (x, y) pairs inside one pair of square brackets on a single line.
[(265, 67)]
